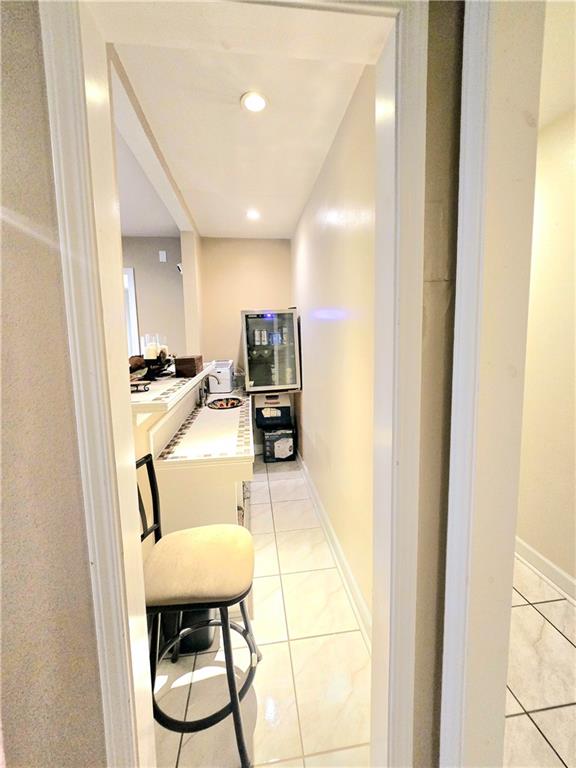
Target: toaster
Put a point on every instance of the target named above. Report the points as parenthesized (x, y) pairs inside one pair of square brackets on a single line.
[(224, 369)]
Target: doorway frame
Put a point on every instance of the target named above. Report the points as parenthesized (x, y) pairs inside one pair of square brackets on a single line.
[(399, 285), (498, 140)]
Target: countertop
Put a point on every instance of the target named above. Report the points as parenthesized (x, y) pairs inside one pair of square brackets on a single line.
[(207, 435)]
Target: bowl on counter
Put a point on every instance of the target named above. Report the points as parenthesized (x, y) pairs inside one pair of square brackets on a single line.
[(225, 403)]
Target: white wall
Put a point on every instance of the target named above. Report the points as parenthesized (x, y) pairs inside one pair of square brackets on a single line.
[(237, 274), (546, 513), (333, 265), (159, 289)]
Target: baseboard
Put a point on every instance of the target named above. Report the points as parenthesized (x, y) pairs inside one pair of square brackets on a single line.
[(359, 604), (546, 568)]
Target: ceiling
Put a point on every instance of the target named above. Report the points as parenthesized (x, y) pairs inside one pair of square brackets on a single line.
[(558, 91), (142, 212), (225, 159), (190, 62)]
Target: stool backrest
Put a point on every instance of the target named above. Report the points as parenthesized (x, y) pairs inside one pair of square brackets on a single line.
[(155, 527)]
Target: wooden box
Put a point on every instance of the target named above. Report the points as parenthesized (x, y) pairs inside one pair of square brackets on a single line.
[(187, 367)]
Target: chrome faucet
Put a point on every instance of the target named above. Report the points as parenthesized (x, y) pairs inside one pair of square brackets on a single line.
[(204, 388)]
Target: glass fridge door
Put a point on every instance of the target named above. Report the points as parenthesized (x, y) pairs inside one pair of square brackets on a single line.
[(271, 348)]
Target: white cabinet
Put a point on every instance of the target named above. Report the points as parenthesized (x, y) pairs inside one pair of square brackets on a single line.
[(243, 503), (202, 465)]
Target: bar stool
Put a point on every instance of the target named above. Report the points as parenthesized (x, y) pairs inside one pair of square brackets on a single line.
[(208, 567)]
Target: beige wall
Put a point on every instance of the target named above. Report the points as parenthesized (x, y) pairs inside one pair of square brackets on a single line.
[(546, 512), (441, 206), (333, 263), (190, 247), (238, 274), (159, 290), (51, 708)]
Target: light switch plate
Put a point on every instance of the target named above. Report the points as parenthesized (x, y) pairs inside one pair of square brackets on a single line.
[(162, 255)]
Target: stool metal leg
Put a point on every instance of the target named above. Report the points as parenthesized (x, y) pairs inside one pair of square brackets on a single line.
[(156, 656), (248, 625), (176, 650), (242, 751), (154, 644)]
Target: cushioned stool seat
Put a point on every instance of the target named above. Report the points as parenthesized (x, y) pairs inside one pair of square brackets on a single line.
[(189, 573), (207, 564)]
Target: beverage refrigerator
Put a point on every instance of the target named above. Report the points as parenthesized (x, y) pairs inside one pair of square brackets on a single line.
[(271, 350)]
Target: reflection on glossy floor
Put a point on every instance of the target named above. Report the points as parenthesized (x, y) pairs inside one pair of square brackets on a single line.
[(541, 695), (310, 702)]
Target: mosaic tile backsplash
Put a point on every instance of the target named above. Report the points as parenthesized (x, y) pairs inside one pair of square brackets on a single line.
[(167, 394)]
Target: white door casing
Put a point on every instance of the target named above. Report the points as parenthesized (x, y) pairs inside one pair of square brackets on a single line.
[(500, 99), (401, 76), (104, 505)]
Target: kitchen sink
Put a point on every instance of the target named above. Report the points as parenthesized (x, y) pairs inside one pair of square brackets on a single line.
[(225, 403)]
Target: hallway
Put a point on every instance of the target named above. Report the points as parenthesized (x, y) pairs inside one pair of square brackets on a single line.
[(310, 701)]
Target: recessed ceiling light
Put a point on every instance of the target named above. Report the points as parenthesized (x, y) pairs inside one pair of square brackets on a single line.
[(252, 214), (253, 102)]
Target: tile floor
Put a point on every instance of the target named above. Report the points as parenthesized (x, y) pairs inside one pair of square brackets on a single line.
[(310, 702), (541, 694), (309, 706)]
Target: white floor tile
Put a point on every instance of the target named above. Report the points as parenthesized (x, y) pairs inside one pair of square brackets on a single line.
[(167, 746), (317, 604), (260, 474), (269, 712), (356, 757), (295, 515), (562, 615), (289, 489), (216, 746), (172, 685), (268, 622), (259, 493), (517, 598), (284, 470), (171, 690), (512, 705), (524, 746), (332, 676), (530, 585), (559, 727), (296, 763), (266, 558), (542, 663), (261, 518), (303, 551)]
